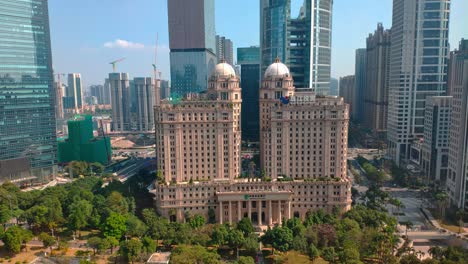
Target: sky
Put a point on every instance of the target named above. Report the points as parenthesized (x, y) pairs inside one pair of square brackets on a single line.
[(89, 35)]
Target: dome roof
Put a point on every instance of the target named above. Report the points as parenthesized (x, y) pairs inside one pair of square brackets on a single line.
[(277, 69), (224, 69)]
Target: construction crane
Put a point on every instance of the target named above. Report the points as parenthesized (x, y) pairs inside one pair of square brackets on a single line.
[(114, 63)]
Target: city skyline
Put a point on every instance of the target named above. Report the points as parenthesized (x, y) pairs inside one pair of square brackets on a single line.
[(118, 38)]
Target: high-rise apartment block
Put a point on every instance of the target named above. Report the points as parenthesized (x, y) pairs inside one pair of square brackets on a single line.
[(375, 110), (192, 44), (303, 146), (249, 59), (120, 101), (347, 87), (418, 69), (28, 147), (224, 49), (101, 92), (304, 42), (360, 86), (435, 146), (457, 178), (145, 101), (74, 93)]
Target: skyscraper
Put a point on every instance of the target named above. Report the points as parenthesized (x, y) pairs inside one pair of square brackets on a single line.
[(457, 178), (334, 87), (418, 69), (360, 86), (249, 59), (192, 44), (224, 49), (376, 92), (274, 16), (74, 92), (145, 101), (120, 95), (347, 84), (27, 95), (304, 42), (437, 124)]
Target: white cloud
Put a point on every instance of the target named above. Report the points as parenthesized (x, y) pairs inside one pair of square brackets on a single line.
[(123, 44)]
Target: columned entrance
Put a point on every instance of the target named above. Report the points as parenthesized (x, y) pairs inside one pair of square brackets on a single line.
[(263, 208)]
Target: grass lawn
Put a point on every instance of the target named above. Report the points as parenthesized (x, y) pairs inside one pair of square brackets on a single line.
[(452, 228)]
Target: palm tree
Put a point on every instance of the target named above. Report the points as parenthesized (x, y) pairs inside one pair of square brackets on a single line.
[(442, 201), (437, 252), (460, 216)]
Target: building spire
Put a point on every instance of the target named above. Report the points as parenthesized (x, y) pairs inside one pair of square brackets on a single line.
[(277, 60)]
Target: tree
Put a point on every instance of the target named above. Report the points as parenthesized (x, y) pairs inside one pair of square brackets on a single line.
[(79, 214), (197, 221), (437, 252), (149, 246), (235, 239), (251, 244), (114, 226), (296, 226), (97, 167), (77, 168), (184, 254), (280, 238), (299, 243), (442, 202), (94, 243), (211, 216), (329, 254), (219, 235), (245, 260), (14, 237), (157, 226), (47, 240), (410, 259), (135, 227), (113, 242), (245, 226), (350, 255), (313, 252), (117, 203), (460, 214), (131, 249)]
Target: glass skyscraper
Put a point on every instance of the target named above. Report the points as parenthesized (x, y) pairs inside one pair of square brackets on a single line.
[(274, 16), (418, 69), (192, 44), (249, 59), (27, 96), (303, 43)]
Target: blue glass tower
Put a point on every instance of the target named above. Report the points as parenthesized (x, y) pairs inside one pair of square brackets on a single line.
[(27, 97)]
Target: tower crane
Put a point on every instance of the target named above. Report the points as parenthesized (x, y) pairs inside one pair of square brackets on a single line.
[(114, 63)]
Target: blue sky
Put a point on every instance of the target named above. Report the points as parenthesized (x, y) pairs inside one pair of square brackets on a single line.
[(88, 35)]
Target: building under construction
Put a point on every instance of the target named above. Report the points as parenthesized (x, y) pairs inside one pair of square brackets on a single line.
[(81, 145)]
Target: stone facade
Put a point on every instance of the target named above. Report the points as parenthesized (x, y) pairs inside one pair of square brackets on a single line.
[(303, 152)]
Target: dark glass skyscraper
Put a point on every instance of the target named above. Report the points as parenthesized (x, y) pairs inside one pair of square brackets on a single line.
[(249, 59), (27, 96), (192, 44)]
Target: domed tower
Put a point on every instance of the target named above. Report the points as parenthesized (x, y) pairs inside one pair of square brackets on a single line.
[(224, 84), (276, 89), (224, 89)]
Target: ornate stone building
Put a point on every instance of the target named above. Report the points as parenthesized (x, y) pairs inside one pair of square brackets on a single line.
[(303, 152)]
